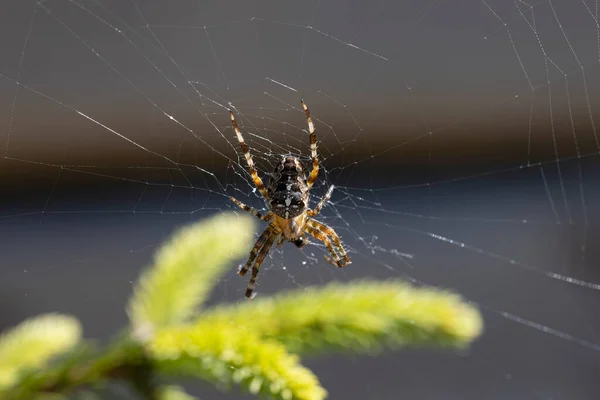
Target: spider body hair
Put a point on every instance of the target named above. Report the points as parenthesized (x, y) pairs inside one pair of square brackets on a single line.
[(292, 229), (287, 190)]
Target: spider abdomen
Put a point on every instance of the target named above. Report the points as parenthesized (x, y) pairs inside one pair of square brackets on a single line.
[(288, 191)]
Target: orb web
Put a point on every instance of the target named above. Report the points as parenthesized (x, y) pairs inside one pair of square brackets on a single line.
[(461, 139)]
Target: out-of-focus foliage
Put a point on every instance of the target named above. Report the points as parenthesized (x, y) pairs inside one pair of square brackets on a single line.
[(184, 269), (173, 393), (361, 316), (33, 343), (249, 344), (227, 355)]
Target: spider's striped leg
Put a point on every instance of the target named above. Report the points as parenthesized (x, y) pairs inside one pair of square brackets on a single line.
[(255, 178), (324, 200), (262, 239), (321, 231), (252, 211), (280, 240), (313, 148), (335, 258), (259, 259)]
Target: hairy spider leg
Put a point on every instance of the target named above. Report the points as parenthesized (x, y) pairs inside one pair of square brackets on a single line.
[(255, 178), (324, 200), (257, 263), (313, 148), (251, 210), (262, 239), (335, 258), (327, 232)]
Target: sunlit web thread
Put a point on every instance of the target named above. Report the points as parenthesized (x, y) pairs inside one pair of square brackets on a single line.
[(161, 50), (472, 176), (320, 32), (129, 82), (429, 134), (214, 53), (484, 38), (316, 119), (176, 164), (546, 59), (509, 316), (346, 109), (489, 107), (281, 84), (329, 128), (579, 168), (581, 188), (16, 95), (549, 195), (581, 67), (377, 207), (186, 74), (544, 328), (270, 147), (553, 275), (557, 158), (505, 24), (305, 38)]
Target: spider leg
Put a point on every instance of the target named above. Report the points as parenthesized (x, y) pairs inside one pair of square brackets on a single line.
[(280, 240), (334, 259), (324, 200), (322, 232), (313, 148), (262, 239), (255, 178), (259, 259), (251, 210)]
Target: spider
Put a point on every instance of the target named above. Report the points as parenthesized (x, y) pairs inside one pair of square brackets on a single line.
[(289, 216)]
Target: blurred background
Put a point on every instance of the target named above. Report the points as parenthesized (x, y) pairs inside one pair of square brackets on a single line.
[(462, 138)]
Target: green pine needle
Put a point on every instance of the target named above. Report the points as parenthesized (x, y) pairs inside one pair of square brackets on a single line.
[(173, 393), (185, 269), (361, 316), (34, 342), (226, 355)]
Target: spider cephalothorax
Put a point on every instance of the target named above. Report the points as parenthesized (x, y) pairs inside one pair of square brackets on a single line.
[(289, 216)]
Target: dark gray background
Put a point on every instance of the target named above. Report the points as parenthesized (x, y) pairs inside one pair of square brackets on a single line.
[(463, 133)]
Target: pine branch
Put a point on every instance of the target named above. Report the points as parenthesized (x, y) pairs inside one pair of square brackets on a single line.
[(226, 355), (174, 393), (361, 316), (124, 360), (245, 344), (185, 269), (33, 343)]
